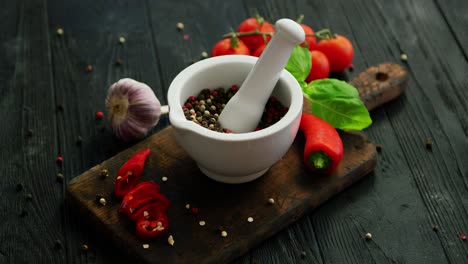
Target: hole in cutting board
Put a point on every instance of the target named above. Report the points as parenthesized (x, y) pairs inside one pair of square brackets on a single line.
[(381, 76)]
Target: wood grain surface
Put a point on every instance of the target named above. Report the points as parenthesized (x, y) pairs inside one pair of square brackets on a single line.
[(222, 206), (411, 189)]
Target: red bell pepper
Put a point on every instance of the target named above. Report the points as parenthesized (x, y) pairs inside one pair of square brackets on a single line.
[(129, 174), (323, 148), (145, 193), (153, 223)]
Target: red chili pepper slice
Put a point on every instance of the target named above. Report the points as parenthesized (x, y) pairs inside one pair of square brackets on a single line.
[(130, 173), (323, 148), (153, 224), (143, 194)]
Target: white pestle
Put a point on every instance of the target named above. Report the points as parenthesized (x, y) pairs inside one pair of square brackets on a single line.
[(244, 110)]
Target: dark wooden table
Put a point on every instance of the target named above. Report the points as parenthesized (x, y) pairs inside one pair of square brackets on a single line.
[(48, 101)]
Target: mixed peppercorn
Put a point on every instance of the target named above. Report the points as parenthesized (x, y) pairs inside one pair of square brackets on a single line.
[(205, 108)]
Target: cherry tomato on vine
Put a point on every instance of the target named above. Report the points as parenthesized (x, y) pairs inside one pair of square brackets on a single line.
[(310, 40), (229, 46), (339, 51), (320, 66), (252, 24), (259, 50)]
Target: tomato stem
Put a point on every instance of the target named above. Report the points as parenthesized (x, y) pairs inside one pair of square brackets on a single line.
[(324, 34), (249, 33), (300, 18)]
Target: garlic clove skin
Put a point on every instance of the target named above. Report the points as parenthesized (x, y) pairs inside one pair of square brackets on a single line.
[(133, 109)]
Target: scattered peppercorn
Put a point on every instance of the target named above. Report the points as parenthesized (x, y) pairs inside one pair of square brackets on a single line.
[(303, 254), (195, 210), (60, 31), (271, 201), (180, 26), (378, 147), (23, 213), (85, 248), (428, 143), (145, 246), (19, 187), (435, 228), (121, 40), (58, 244), (59, 177), (104, 174), (118, 62), (404, 57), (99, 115), (250, 219), (204, 54), (187, 206), (30, 133), (463, 236), (79, 140), (186, 36), (368, 236), (170, 240), (59, 160), (224, 233), (202, 223), (89, 68), (103, 201), (164, 179), (28, 197)]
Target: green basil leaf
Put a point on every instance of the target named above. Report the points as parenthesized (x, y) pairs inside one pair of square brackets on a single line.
[(338, 103), (299, 63), (331, 88)]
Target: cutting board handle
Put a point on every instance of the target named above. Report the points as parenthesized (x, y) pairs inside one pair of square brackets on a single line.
[(377, 85), (380, 83)]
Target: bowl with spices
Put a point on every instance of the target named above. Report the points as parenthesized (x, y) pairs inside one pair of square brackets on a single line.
[(197, 96)]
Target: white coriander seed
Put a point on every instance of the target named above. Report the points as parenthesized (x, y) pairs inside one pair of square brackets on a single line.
[(250, 219), (404, 57), (170, 240), (224, 233), (202, 223), (164, 179), (145, 246), (180, 26), (102, 201)]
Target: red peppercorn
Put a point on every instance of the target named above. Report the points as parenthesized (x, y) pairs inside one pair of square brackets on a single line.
[(234, 88), (463, 236), (195, 210), (89, 68), (214, 93), (99, 115), (273, 99), (189, 105), (192, 98), (184, 107), (59, 159), (227, 130)]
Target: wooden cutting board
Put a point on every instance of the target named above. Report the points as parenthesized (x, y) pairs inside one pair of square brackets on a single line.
[(222, 206)]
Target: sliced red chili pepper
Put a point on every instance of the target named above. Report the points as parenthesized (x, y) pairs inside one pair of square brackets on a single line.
[(130, 173), (153, 224), (143, 194)]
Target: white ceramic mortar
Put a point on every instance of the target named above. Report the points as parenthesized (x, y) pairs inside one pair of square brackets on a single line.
[(232, 158)]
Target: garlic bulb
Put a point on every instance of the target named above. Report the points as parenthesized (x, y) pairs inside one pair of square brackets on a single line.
[(133, 109)]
